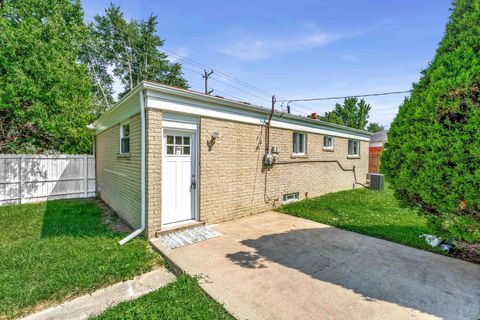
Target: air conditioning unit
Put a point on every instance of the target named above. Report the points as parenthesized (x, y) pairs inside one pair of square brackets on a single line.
[(377, 181)]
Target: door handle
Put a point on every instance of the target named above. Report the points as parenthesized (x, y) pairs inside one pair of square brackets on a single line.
[(194, 183)]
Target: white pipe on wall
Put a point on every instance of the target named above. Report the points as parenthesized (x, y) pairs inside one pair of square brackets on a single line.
[(142, 173)]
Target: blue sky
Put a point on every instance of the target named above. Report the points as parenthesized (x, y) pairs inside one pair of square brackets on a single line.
[(300, 49)]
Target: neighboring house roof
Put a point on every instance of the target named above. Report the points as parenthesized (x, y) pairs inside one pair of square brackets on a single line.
[(379, 138), (125, 108)]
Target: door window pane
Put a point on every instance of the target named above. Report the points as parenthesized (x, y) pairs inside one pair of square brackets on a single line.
[(178, 145)]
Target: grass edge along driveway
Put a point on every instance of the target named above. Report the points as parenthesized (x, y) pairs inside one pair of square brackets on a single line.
[(181, 299), (56, 250), (374, 213)]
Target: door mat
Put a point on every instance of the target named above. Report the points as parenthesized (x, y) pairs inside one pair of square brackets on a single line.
[(185, 237)]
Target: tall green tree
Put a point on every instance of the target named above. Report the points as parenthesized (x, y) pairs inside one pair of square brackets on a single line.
[(132, 49), (432, 158), (375, 127), (351, 113), (45, 92)]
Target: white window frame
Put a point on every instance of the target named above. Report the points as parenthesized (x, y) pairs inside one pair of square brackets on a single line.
[(353, 155), (327, 147), (122, 136), (291, 197), (296, 141)]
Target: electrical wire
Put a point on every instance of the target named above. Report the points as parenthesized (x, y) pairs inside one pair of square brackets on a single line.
[(350, 96), (222, 75)]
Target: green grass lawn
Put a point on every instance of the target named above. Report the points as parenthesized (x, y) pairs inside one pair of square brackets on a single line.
[(374, 213), (55, 250), (182, 299)]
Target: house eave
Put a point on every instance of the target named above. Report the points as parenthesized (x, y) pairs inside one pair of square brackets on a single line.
[(115, 113)]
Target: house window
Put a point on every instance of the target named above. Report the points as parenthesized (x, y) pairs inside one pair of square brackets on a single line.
[(328, 142), (290, 197), (299, 143), (353, 148), (125, 138), (178, 145)]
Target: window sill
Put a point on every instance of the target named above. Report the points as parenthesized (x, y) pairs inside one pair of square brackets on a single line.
[(328, 149), (123, 155), (298, 156), (353, 157)]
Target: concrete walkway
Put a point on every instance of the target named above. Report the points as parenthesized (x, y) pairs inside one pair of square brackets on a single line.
[(93, 304), (275, 266)]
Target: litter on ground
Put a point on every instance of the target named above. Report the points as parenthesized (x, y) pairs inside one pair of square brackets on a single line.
[(433, 241)]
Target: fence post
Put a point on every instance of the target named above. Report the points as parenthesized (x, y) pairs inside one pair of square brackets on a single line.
[(85, 175), (20, 180)]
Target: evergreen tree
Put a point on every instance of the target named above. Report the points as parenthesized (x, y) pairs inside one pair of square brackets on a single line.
[(375, 127), (432, 158), (45, 92), (352, 113), (132, 48)]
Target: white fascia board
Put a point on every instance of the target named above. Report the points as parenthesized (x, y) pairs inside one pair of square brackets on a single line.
[(376, 144), (124, 109), (247, 114)]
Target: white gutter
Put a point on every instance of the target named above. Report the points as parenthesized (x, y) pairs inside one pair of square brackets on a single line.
[(142, 177)]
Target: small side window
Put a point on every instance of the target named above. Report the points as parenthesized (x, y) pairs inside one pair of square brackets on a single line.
[(328, 142), (125, 139), (353, 148), (299, 143)]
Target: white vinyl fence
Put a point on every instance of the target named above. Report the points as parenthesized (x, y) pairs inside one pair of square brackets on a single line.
[(33, 178)]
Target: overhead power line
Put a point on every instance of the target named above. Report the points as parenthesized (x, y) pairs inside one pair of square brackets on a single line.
[(222, 74), (345, 97)]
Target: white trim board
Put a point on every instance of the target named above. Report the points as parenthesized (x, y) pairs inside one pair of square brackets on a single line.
[(190, 103), (201, 109)]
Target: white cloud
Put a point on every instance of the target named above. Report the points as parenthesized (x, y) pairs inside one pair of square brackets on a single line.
[(252, 46), (255, 48)]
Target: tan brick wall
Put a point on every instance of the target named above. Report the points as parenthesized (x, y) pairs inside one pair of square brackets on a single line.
[(234, 183), (154, 170), (118, 177)]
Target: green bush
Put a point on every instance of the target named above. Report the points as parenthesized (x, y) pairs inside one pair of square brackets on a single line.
[(432, 158)]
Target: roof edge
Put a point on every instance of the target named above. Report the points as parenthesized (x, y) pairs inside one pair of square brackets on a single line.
[(222, 101)]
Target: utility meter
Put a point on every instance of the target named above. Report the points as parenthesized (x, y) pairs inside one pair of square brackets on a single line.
[(268, 159)]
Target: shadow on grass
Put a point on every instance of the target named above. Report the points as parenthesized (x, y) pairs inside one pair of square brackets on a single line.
[(375, 269)]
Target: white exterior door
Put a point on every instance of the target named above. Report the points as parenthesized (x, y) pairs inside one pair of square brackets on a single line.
[(178, 176)]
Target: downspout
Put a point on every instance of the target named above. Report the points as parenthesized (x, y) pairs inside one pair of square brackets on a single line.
[(142, 176)]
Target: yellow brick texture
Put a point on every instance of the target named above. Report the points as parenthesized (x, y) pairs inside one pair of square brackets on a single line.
[(234, 183), (154, 170), (118, 176)]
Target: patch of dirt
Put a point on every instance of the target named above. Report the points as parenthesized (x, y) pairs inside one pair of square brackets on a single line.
[(468, 252), (111, 219)]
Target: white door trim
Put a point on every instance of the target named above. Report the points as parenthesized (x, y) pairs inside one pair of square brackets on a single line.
[(195, 169)]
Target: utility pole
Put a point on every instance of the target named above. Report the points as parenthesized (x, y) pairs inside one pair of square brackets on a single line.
[(267, 130), (205, 76)]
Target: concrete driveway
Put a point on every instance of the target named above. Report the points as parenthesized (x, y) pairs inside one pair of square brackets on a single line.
[(274, 266)]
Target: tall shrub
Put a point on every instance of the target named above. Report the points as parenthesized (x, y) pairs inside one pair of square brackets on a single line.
[(432, 158)]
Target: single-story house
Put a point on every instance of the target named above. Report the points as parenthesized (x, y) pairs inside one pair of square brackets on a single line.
[(375, 150), (167, 156)]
